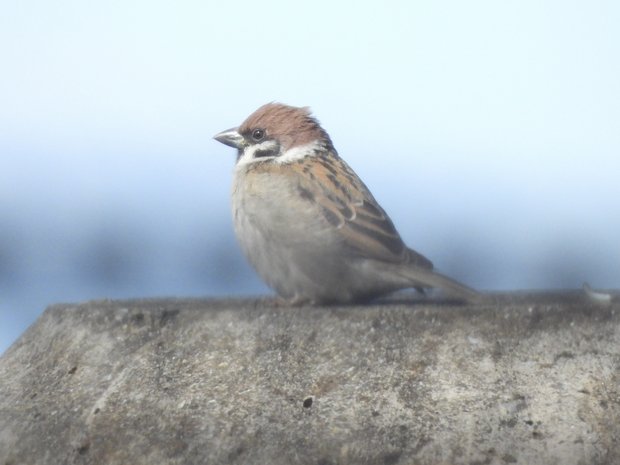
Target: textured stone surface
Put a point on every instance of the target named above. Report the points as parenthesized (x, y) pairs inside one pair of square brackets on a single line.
[(527, 379)]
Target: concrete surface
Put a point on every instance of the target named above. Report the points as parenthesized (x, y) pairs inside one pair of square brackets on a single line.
[(529, 379)]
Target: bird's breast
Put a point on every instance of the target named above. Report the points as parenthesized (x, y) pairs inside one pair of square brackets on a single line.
[(273, 199)]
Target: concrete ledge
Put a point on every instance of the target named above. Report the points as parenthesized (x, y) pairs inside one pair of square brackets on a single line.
[(530, 379)]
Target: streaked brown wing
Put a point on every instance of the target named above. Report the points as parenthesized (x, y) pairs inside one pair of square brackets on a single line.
[(347, 204)]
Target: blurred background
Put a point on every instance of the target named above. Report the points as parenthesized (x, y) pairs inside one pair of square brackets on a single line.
[(489, 131)]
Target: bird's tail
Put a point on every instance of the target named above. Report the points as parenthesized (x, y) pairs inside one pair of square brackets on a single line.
[(424, 278), (454, 288)]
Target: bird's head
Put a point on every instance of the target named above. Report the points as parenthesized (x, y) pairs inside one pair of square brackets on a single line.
[(277, 133)]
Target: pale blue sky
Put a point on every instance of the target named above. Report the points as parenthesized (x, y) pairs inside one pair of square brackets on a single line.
[(489, 130)]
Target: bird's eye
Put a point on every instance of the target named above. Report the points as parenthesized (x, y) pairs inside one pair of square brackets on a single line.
[(258, 134)]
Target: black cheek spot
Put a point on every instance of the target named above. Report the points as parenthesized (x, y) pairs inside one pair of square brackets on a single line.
[(265, 153)]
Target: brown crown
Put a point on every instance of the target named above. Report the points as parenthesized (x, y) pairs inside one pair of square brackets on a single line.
[(291, 126)]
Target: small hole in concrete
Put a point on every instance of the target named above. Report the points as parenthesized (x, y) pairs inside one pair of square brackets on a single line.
[(97, 410), (72, 370), (308, 402), (83, 448), (391, 458)]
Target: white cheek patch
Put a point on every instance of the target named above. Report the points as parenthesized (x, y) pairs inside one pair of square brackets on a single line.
[(299, 152), (247, 156), (289, 156)]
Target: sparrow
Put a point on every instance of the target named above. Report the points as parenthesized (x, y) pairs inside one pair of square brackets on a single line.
[(308, 224)]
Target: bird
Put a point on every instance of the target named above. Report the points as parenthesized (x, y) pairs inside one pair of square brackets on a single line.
[(307, 223)]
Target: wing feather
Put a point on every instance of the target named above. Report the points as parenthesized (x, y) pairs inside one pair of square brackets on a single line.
[(347, 204)]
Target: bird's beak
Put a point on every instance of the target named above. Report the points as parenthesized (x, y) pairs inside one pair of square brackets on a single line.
[(230, 137)]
